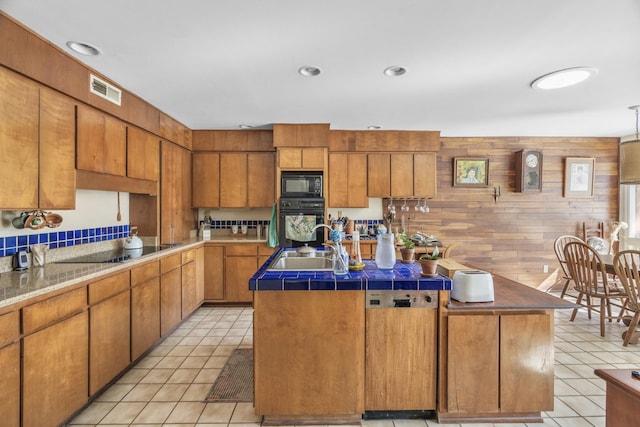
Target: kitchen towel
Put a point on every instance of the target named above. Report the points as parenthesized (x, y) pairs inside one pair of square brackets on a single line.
[(272, 240)]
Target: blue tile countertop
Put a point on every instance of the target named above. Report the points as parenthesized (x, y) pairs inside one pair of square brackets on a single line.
[(402, 277)]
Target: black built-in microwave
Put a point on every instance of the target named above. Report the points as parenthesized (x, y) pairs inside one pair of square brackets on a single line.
[(301, 185)]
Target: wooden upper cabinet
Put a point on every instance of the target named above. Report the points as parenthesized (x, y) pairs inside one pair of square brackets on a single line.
[(18, 141), (301, 158), (425, 175), (402, 175), (348, 180), (175, 193), (233, 180), (378, 175), (143, 154), (206, 180), (410, 175), (261, 180), (57, 151), (102, 142)]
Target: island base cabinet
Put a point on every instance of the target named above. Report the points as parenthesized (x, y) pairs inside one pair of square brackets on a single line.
[(55, 372), (400, 362), (309, 355), (498, 367)]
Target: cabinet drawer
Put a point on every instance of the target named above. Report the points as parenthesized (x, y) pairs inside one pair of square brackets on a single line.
[(144, 272), (241, 250), (188, 256), (105, 288), (42, 313), (9, 328), (170, 262)]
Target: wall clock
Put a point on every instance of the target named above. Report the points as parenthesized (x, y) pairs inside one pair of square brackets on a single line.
[(528, 170)]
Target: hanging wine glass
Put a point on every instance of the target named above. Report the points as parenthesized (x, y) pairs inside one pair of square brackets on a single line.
[(405, 207), (417, 206), (425, 207), (391, 207)]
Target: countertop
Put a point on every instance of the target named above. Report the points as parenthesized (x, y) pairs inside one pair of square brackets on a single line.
[(402, 277)]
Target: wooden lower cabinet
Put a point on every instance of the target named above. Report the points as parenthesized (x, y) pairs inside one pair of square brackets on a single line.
[(499, 365), (145, 316), (189, 284), (309, 354), (109, 340), (240, 263), (55, 372), (213, 273), (170, 300), (10, 384), (400, 369)]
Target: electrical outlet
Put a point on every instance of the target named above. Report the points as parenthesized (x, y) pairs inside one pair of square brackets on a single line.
[(545, 268)]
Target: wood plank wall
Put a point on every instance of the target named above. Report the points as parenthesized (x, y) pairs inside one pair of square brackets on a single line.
[(514, 237)]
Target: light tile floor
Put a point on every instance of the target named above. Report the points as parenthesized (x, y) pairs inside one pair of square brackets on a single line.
[(168, 386)]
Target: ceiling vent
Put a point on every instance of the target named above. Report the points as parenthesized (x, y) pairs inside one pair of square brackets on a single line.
[(105, 90)]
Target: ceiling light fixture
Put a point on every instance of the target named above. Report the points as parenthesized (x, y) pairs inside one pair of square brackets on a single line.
[(630, 156), (245, 126), (563, 78), (84, 48), (309, 71), (394, 71), (374, 127)]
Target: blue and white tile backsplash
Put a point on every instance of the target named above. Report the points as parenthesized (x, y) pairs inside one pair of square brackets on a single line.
[(61, 239)]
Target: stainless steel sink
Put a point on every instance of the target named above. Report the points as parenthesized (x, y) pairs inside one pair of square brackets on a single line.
[(290, 260)]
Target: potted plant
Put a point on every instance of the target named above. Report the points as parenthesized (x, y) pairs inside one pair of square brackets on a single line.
[(408, 250), (429, 263)]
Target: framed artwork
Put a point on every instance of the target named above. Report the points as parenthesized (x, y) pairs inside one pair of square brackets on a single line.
[(470, 172), (579, 176)]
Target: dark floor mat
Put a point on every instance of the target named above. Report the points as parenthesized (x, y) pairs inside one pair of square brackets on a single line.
[(235, 382)]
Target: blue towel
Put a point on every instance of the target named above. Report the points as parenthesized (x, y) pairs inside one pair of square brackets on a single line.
[(272, 240)]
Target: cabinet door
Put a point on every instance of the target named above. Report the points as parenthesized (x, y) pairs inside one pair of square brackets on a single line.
[(378, 175), (109, 344), (313, 158), (472, 375), (213, 273), (55, 372), (57, 151), (143, 154), (10, 384), (402, 175), (339, 180), (189, 297), (400, 368), (233, 180), (238, 271), (170, 300), (175, 189), (425, 175), (199, 276), (18, 142), (261, 180), (357, 181), (101, 144), (206, 180), (145, 316), (290, 158), (526, 364)]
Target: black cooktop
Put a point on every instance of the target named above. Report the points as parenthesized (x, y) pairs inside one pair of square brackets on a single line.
[(119, 255)]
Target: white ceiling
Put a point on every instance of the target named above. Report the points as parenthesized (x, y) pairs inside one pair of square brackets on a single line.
[(216, 64)]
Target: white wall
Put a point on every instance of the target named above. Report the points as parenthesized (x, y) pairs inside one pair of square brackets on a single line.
[(93, 209)]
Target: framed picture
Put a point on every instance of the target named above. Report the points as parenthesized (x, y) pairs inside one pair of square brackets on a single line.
[(470, 172), (579, 176)]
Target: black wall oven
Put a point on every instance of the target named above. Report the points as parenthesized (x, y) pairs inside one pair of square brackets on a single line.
[(297, 219)]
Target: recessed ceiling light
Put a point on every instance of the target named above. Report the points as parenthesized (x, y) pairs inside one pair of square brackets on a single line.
[(244, 126), (83, 48), (374, 127), (394, 71), (309, 71), (563, 78)]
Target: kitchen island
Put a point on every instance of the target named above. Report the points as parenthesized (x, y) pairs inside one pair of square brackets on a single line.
[(313, 354)]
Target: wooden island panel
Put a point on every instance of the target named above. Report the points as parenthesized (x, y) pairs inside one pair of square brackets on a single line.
[(309, 355)]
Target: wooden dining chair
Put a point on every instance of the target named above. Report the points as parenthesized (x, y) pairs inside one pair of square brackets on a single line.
[(558, 247), (449, 249), (588, 272), (627, 267)]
